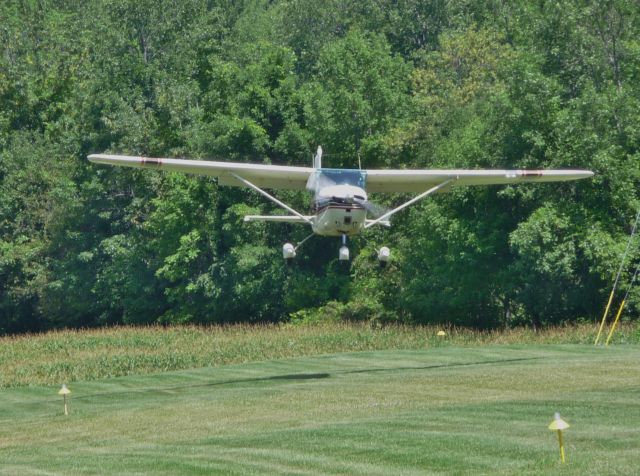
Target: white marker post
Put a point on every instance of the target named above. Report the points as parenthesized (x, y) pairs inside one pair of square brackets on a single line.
[(64, 391)]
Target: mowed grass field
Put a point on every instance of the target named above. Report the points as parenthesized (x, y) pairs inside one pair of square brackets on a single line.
[(445, 408)]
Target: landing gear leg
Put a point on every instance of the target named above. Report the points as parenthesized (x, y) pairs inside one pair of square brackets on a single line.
[(343, 253), (289, 251)]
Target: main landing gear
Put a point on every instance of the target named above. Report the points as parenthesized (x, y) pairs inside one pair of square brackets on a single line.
[(289, 252)]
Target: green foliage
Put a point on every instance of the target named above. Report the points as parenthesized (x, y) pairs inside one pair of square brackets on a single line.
[(547, 246), (358, 94), (360, 310), (384, 83)]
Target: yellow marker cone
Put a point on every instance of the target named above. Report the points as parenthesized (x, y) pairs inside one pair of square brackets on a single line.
[(558, 424), (64, 391), (441, 333)]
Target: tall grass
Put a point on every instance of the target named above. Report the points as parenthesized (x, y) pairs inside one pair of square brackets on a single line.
[(69, 355)]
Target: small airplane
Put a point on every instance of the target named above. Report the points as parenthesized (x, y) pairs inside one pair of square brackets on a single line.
[(341, 206)]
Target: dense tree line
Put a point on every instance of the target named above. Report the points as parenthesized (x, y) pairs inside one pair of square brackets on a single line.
[(389, 83)]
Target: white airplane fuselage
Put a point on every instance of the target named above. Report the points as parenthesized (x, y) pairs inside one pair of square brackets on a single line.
[(339, 210)]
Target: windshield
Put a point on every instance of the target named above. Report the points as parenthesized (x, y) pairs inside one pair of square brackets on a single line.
[(322, 178)]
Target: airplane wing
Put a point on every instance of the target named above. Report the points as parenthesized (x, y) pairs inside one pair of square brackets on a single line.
[(279, 218), (295, 178), (264, 176), (416, 181)]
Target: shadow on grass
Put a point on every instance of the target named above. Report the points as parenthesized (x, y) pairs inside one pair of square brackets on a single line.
[(440, 366), (300, 376)]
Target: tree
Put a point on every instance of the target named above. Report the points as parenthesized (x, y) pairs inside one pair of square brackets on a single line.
[(359, 93)]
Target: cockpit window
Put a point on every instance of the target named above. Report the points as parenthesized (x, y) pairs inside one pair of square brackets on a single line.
[(326, 177)]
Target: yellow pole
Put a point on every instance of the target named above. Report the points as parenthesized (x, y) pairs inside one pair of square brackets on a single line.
[(604, 317), (615, 322), (561, 445)]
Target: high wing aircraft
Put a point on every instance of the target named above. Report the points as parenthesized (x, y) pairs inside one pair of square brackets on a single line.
[(341, 206)]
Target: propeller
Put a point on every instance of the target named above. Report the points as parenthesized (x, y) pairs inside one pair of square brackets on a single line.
[(375, 209)]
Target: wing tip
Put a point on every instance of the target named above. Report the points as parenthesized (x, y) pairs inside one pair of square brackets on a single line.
[(552, 174), (580, 174)]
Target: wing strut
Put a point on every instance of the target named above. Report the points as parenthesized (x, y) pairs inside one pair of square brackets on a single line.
[(271, 197), (410, 202)]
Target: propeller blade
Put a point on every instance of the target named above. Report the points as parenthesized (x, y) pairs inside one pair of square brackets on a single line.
[(373, 208)]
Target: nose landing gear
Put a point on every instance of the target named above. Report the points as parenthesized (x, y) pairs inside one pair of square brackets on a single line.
[(343, 253)]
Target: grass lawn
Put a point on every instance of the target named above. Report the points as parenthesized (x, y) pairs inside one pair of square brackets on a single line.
[(69, 356), (440, 410)]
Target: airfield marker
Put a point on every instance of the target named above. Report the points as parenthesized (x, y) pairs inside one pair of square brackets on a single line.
[(604, 316), (615, 283), (624, 300), (615, 323), (558, 424), (64, 391)]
